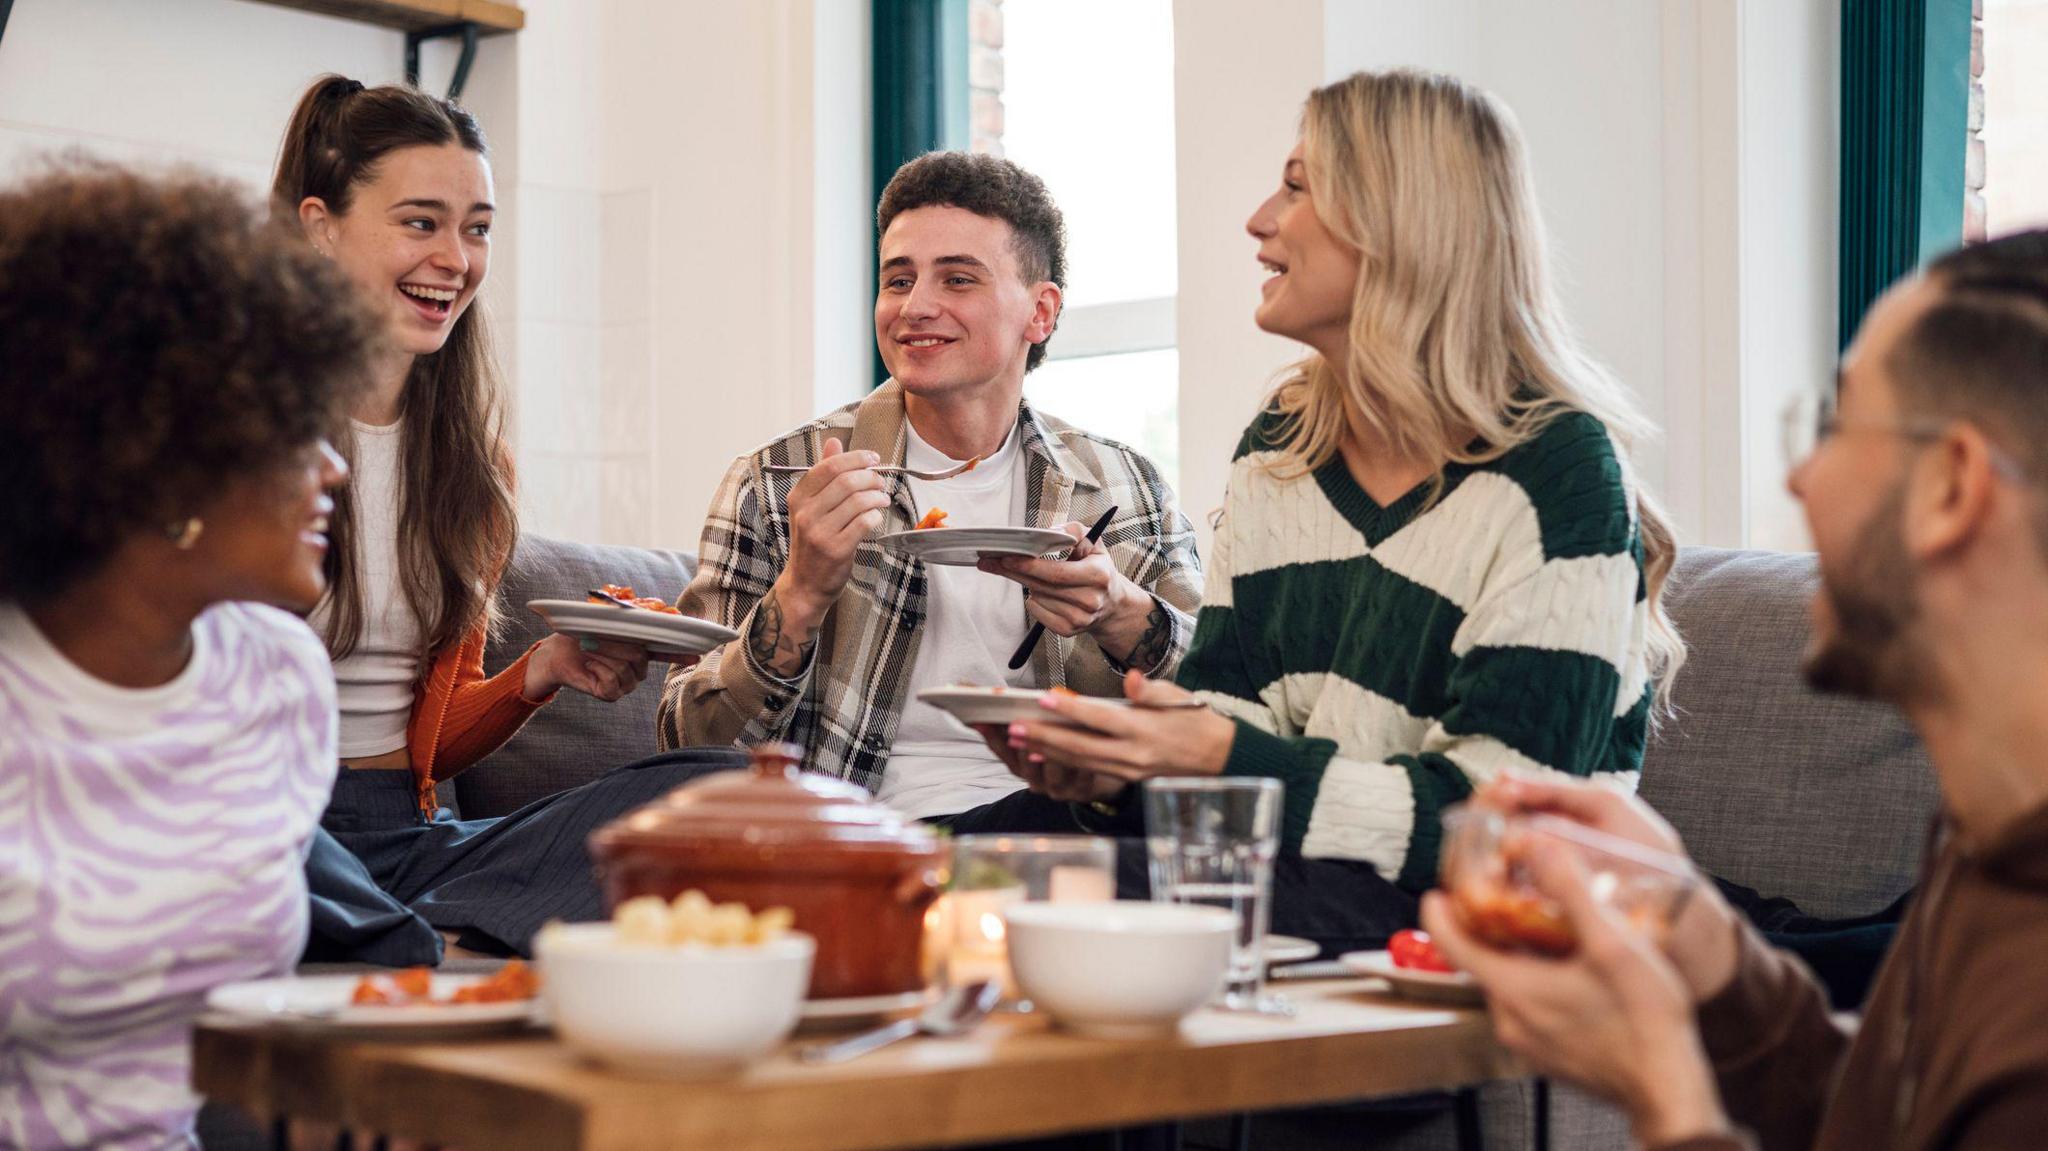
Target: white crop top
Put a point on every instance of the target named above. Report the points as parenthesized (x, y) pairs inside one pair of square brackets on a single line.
[(375, 681)]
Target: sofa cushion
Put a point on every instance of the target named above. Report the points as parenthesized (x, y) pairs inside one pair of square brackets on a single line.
[(575, 738), (1820, 799)]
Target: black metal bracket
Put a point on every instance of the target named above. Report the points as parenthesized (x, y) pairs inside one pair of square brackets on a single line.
[(467, 30)]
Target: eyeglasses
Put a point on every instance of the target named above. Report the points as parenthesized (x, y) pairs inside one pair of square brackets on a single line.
[(1812, 420)]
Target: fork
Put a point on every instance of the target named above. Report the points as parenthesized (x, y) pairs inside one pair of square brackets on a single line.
[(598, 593), (884, 470)]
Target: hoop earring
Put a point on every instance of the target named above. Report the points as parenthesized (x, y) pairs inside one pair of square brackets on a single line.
[(184, 535)]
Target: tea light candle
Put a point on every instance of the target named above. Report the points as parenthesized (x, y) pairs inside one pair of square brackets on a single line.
[(1070, 884), (979, 950), (938, 939)]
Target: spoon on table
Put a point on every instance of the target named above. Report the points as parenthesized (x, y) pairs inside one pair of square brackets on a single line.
[(957, 1010)]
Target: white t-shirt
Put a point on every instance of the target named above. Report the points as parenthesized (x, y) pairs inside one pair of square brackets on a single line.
[(375, 681), (152, 847), (973, 623)]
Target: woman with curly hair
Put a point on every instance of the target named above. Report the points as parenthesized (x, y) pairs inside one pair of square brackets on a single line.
[(170, 368), (394, 186)]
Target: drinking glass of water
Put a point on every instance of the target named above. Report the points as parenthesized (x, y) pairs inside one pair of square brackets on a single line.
[(1211, 842)]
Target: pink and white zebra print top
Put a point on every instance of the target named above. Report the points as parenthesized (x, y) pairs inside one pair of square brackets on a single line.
[(152, 846)]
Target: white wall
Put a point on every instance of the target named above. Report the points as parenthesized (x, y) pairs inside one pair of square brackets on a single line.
[(206, 82), (694, 248), (1684, 156), (1789, 237), (1230, 141)]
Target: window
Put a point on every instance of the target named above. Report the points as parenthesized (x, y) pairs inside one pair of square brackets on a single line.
[(1086, 103)]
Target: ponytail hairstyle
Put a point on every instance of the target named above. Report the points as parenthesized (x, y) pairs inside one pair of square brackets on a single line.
[(457, 517), (1459, 348)]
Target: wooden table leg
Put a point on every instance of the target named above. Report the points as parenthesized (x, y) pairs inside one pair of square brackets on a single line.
[(1471, 1136)]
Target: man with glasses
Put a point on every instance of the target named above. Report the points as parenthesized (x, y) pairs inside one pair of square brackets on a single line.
[(1923, 495)]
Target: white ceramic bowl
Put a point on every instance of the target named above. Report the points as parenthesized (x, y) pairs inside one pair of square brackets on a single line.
[(1119, 970), (671, 1011)]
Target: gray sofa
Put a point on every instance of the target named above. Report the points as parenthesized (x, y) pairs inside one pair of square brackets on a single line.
[(1821, 800)]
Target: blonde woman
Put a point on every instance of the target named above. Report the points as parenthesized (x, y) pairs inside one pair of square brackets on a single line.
[(1432, 565)]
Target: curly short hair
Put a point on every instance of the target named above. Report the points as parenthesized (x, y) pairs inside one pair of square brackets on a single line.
[(160, 339), (987, 186)]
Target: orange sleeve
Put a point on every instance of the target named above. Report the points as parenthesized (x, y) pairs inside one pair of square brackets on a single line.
[(460, 715)]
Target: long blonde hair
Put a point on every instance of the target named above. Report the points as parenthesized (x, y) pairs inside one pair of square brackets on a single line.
[(1458, 349)]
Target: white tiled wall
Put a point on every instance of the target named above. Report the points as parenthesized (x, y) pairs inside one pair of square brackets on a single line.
[(668, 285)]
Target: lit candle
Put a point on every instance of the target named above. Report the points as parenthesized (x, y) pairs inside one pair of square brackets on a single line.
[(1071, 884), (979, 950)]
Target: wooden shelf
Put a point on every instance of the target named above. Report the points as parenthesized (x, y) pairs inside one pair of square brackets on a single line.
[(490, 16)]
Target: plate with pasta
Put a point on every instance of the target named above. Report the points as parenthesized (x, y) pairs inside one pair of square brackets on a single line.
[(412, 999), (666, 633)]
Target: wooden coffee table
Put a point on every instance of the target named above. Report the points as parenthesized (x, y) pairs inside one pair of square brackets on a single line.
[(1012, 1078)]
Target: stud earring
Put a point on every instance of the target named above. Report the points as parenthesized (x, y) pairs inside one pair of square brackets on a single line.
[(184, 535)]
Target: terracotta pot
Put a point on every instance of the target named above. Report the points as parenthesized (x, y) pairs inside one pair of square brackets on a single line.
[(858, 875)]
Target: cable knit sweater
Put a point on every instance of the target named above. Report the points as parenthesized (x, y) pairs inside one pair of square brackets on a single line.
[(1382, 661)]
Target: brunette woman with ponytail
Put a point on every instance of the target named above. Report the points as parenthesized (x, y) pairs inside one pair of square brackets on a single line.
[(394, 186)]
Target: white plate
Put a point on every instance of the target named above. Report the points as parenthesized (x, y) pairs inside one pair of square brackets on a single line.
[(964, 547), (1428, 986), (1290, 949), (322, 1001), (998, 706), (826, 1014), (665, 636)]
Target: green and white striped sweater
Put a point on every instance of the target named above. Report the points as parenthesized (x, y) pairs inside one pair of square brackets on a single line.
[(1382, 661)]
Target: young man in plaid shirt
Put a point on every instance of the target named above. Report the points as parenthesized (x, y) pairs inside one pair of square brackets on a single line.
[(838, 636)]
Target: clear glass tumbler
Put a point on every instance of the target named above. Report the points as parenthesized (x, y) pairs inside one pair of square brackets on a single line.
[(1211, 842)]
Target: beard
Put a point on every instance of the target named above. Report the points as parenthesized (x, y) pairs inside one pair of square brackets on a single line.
[(1872, 651)]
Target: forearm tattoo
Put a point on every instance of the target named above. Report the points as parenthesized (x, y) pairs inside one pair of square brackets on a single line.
[(775, 647), (1153, 642)]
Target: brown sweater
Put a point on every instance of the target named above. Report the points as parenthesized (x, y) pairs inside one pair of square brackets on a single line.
[(1953, 1050)]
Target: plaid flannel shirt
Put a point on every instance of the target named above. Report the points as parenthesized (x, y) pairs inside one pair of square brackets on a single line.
[(844, 707)]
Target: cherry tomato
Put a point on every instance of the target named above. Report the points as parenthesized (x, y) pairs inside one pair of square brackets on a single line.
[(1416, 951)]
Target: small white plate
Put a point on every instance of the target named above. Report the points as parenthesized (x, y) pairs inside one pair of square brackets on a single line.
[(665, 636), (833, 1014), (1289, 949), (322, 1001), (965, 547), (997, 706), (1455, 987)]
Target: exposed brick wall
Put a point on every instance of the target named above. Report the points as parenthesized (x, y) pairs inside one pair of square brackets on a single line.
[(985, 74), (1976, 223)]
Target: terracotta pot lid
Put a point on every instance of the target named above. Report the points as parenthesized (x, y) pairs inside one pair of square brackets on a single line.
[(773, 802)]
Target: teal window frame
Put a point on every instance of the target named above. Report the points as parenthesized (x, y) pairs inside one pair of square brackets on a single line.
[(1905, 111)]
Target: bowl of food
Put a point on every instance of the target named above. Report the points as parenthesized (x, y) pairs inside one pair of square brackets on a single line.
[(857, 876), (1121, 969), (1483, 868), (676, 989)]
